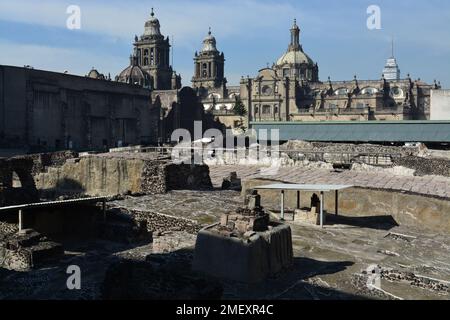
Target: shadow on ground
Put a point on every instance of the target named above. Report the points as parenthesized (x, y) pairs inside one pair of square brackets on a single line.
[(375, 222), (299, 283)]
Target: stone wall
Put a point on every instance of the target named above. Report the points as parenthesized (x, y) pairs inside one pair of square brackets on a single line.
[(23, 252), (26, 191), (187, 177), (159, 223), (43, 160), (405, 208), (118, 174), (425, 166)]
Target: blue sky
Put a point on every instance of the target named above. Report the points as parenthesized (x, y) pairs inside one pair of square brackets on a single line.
[(251, 33)]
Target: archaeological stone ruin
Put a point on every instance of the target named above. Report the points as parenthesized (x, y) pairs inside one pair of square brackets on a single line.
[(147, 228), (245, 246)]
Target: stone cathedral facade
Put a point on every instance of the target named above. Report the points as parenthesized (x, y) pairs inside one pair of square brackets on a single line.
[(291, 90), (42, 110)]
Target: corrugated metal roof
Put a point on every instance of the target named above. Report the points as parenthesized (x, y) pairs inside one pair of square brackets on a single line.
[(53, 203), (304, 187), (367, 131)]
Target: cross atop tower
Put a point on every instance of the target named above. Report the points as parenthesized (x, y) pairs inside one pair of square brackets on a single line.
[(392, 47)]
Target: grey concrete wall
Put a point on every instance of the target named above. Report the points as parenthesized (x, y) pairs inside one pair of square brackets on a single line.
[(406, 209)]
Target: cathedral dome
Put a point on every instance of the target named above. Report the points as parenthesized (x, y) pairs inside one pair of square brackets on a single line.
[(294, 57), (152, 26), (94, 74), (209, 43), (135, 75)]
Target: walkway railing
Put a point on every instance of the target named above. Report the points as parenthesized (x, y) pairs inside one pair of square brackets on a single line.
[(335, 157)]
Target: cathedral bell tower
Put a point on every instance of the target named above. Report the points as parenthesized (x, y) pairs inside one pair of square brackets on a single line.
[(153, 55), (209, 65)]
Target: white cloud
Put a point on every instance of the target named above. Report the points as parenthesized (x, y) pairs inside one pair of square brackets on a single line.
[(246, 20), (187, 22)]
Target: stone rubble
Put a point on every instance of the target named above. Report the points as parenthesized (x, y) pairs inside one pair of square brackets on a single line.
[(160, 277), (232, 182), (415, 280), (158, 223), (245, 221), (27, 250), (424, 166)]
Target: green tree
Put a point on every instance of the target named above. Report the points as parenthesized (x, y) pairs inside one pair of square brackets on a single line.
[(239, 108)]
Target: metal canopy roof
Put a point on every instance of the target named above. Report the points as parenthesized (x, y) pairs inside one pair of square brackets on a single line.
[(53, 203), (361, 131), (304, 187)]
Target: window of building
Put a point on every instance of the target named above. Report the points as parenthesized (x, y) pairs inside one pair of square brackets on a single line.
[(302, 74), (205, 70), (286, 72), (267, 90), (360, 105), (396, 92), (152, 57), (57, 144), (341, 92), (369, 91), (266, 109)]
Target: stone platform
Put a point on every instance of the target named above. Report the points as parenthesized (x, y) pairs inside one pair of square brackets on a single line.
[(245, 246), (27, 250)]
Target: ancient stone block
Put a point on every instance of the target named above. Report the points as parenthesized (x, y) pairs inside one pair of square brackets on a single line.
[(22, 252), (224, 220), (232, 182), (312, 216), (242, 226), (161, 277), (254, 202), (250, 259)]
